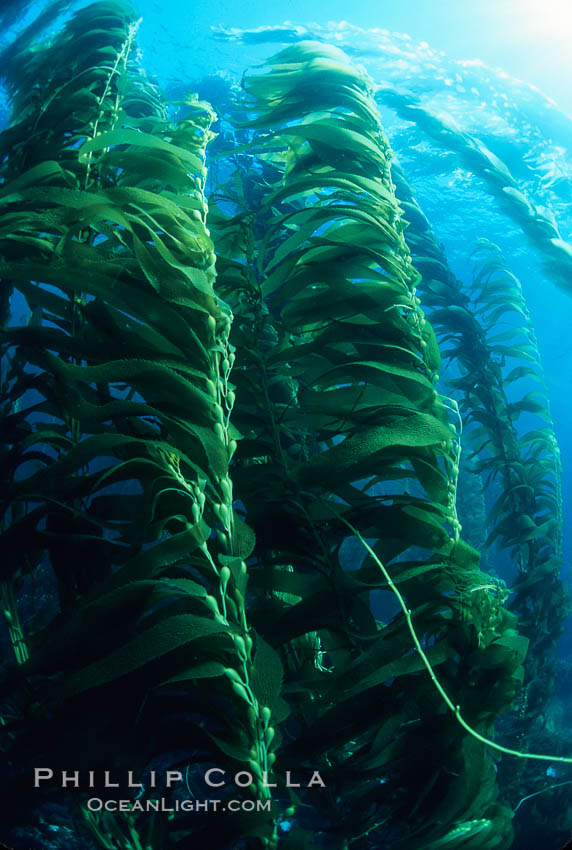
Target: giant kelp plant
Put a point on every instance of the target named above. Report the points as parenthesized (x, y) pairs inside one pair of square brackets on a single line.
[(226, 449), (106, 474)]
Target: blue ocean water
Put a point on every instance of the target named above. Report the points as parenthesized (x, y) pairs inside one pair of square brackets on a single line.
[(494, 74)]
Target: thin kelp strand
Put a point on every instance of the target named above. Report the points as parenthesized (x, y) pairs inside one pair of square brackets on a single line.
[(453, 463), (119, 67), (542, 791), (456, 709)]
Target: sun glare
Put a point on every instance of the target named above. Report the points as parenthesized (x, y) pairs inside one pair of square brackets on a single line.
[(549, 19)]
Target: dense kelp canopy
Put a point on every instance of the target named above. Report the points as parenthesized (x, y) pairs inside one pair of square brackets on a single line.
[(251, 405)]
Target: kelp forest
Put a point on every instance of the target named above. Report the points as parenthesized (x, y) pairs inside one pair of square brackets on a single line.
[(260, 443)]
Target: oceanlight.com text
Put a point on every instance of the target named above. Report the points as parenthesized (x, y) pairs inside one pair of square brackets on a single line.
[(97, 804)]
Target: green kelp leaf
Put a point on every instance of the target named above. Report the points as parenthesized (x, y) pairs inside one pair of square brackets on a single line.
[(172, 634), (173, 388), (206, 670), (465, 556), (329, 132), (156, 271), (401, 526), (338, 404), (382, 652), (338, 275), (97, 278), (167, 552), (56, 478), (522, 352), (185, 202), (267, 673), (67, 641), (563, 248), (539, 531), (529, 372), (530, 404), (91, 414), (238, 750), (431, 477), (171, 279), (521, 494), (305, 186), (492, 316), (144, 342), (359, 367), (547, 570), (157, 324), (145, 201), (68, 206), (371, 576), (432, 352), (138, 139), (496, 655), (356, 454), (385, 745), (186, 586), (43, 171), (296, 585), (243, 538), (470, 835), (149, 166), (342, 722), (515, 642)]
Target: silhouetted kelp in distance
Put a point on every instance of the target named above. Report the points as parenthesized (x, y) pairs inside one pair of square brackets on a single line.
[(190, 454), (480, 328), (526, 517)]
